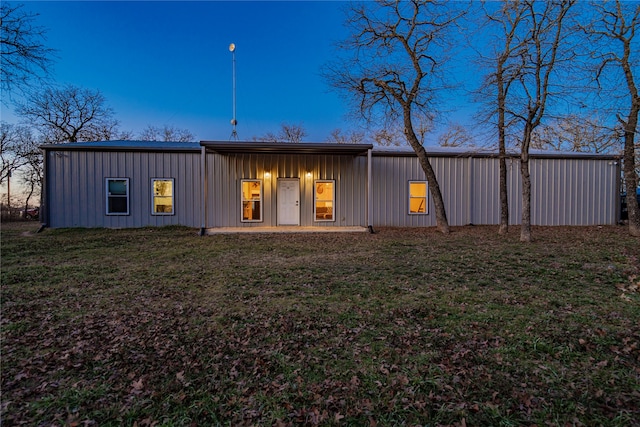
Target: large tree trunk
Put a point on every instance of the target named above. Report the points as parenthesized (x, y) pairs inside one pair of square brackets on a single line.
[(525, 227), (630, 176), (502, 149), (504, 200), (630, 129), (434, 188)]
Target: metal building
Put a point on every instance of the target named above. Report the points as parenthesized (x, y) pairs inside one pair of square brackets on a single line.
[(207, 185), (566, 188)]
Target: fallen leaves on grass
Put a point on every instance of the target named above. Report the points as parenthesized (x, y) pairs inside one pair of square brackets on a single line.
[(415, 338)]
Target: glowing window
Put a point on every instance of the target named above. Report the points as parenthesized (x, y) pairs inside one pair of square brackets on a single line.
[(162, 190), (251, 200), (324, 201), (418, 200)]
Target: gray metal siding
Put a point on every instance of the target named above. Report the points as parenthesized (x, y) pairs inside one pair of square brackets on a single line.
[(391, 176), (225, 172), (77, 193), (573, 192), (568, 191), (565, 191)]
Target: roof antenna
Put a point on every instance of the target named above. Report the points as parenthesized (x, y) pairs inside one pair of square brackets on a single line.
[(234, 122)]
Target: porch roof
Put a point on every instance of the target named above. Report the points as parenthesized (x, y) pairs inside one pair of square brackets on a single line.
[(286, 148)]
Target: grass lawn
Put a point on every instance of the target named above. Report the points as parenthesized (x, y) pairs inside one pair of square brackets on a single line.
[(159, 327)]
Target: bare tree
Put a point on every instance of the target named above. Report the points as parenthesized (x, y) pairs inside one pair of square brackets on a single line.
[(392, 133), (399, 50), (455, 135), (166, 133), (349, 137), (577, 133), (508, 17), (24, 56), (288, 133), (534, 33), (11, 140), (613, 33), (387, 138), (70, 114), (292, 133), (16, 152), (31, 173)]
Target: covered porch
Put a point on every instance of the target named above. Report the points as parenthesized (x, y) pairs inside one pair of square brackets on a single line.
[(286, 188)]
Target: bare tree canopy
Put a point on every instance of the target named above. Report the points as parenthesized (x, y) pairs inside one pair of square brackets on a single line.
[(288, 133), (166, 133), (587, 134), (456, 135), (12, 140), (22, 49), (387, 137), (339, 136), (612, 31), (21, 158), (69, 114), (394, 69), (532, 45)]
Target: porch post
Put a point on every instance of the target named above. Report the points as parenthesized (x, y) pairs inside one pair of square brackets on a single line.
[(369, 193)]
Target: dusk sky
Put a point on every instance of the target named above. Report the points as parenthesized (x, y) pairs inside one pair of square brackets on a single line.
[(169, 63), (161, 63)]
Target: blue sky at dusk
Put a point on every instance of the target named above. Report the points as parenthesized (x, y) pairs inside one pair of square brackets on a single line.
[(164, 62)]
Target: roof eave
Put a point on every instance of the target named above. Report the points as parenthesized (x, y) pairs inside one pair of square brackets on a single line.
[(285, 148)]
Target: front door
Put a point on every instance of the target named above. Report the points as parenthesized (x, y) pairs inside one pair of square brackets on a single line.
[(289, 201)]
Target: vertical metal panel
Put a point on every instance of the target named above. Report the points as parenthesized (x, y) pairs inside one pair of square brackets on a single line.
[(573, 191), (348, 172), (77, 196), (565, 191), (485, 193), (391, 176)]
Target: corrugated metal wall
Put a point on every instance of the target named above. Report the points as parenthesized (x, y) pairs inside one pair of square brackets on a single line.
[(573, 191), (565, 191), (225, 172), (77, 194)]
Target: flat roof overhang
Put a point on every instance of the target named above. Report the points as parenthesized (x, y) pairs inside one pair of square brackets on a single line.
[(126, 146), (286, 148)]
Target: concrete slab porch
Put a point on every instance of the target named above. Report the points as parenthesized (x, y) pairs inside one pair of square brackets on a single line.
[(284, 229)]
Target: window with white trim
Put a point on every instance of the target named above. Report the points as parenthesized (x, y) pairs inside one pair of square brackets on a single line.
[(418, 198), (251, 200), (324, 201), (162, 196), (117, 190)]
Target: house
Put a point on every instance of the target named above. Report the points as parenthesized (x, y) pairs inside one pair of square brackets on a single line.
[(209, 185)]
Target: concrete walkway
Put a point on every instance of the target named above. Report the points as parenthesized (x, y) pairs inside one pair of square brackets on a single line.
[(284, 229)]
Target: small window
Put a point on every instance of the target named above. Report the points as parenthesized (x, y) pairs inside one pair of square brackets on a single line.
[(162, 190), (251, 200), (418, 201), (117, 196), (324, 201)]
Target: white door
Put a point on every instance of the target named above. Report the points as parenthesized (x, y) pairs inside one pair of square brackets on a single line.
[(288, 202)]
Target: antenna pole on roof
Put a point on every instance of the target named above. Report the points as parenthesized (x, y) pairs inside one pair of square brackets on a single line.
[(234, 122)]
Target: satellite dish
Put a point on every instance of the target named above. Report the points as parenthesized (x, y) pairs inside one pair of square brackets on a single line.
[(232, 47)]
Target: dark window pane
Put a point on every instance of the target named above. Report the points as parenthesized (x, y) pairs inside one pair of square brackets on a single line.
[(117, 205)]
